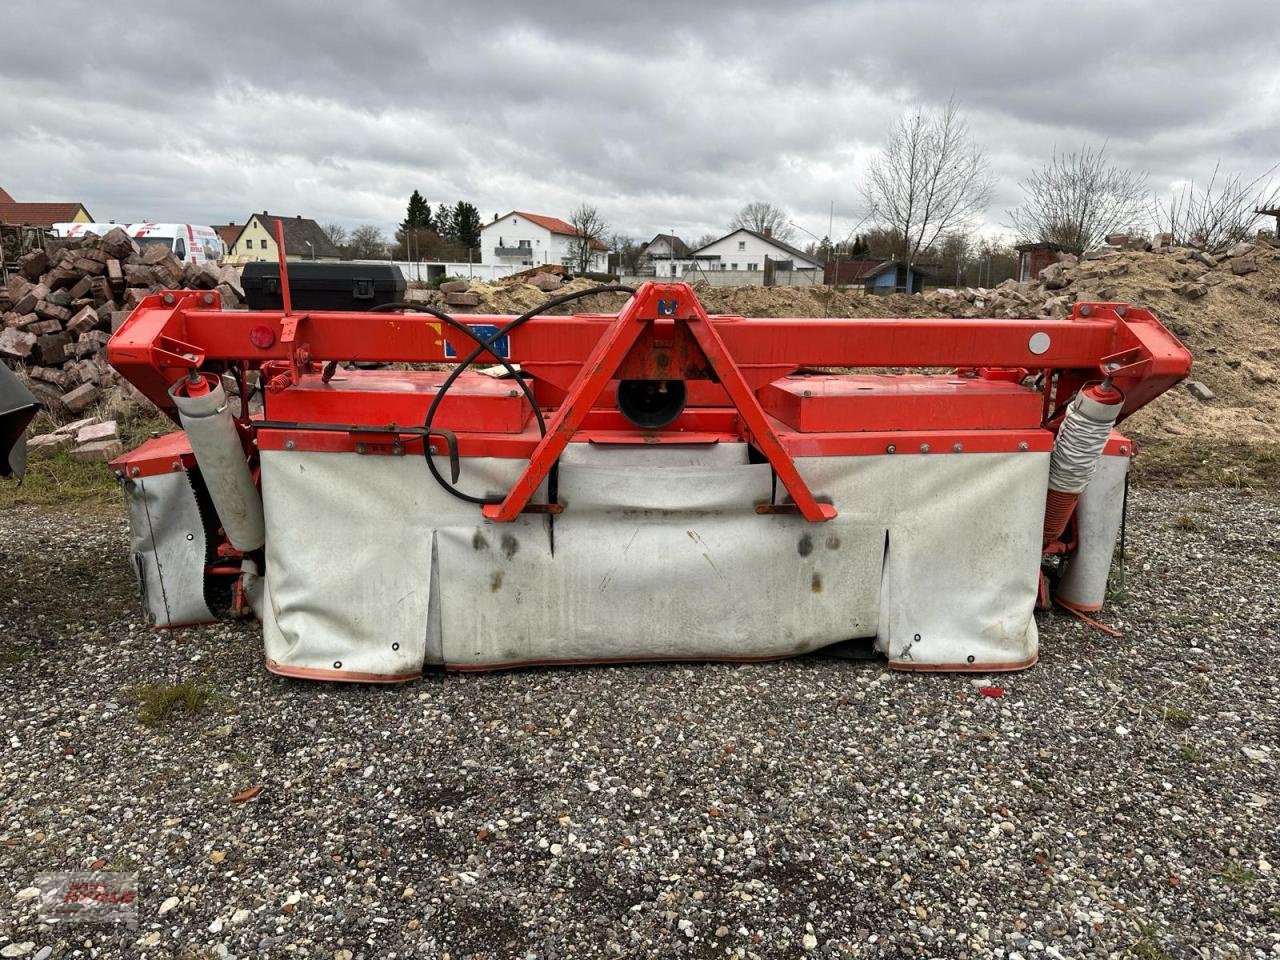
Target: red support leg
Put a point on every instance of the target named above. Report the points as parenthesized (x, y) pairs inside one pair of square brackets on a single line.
[(586, 388), (755, 419)]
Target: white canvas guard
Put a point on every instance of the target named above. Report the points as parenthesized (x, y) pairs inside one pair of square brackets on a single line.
[(676, 567), (373, 569), (167, 542)]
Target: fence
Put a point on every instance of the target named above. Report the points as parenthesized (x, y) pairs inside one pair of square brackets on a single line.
[(425, 271)]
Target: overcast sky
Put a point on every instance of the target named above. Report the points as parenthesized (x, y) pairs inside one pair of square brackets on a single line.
[(664, 115)]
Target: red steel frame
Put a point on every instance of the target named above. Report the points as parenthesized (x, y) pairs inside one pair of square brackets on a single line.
[(662, 332)]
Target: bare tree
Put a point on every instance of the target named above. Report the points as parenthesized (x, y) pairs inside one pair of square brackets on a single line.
[(1222, 213), (703, 240), (1077, 198), (589, 231), (628, 251), (930, 179), (336, 232), (366, 242), (763, 217)]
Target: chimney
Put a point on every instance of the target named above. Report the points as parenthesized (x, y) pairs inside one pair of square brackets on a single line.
[(768, 232), (495, 218)]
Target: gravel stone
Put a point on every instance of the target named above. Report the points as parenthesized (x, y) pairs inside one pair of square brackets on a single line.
[(816, 805)]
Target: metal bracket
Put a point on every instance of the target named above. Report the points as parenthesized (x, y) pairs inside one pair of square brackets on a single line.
[(650, 302)]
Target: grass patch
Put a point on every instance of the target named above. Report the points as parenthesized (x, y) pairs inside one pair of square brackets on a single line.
[(1195, 464), (1146, 947), (1185, 522), (62, 481), (160, 703), (1177, 717), (1237, 875), (1191, 753), (1117, 587), (11, 656)]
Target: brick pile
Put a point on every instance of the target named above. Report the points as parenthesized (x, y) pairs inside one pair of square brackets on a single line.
[(62, 303)]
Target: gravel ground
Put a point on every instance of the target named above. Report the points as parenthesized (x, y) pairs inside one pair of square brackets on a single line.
[(1120, 799)]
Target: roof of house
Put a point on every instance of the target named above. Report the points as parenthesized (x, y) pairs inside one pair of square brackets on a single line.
[(795, 252), (298, 233), (40, 214), (4, 196), (554, 224), (851, 270), (229, 232), (678, 247), (1038, 245)]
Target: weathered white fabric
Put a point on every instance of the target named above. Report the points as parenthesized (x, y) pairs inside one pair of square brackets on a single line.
[(371, 565), (1098, 514), (167, 541)]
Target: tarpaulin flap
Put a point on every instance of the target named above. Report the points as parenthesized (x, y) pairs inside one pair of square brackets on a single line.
[(169, 546), (373, 569), (646, 567)]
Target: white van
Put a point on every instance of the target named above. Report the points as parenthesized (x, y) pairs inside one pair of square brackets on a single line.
[(83, 229), (190, 242)]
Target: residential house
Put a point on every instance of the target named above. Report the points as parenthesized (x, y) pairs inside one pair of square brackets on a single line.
[(40, 214), (877, 275), (227, 233), (303, 240), (666, 255), (749, 251), (519, 240)]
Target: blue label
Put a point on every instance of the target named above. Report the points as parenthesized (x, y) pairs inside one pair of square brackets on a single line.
[(501, 347)]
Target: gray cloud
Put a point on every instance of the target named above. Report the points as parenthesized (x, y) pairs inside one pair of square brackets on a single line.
[(666, 115)]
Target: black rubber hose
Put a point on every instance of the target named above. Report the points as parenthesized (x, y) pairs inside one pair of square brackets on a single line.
[(482, 346), (475, 337)]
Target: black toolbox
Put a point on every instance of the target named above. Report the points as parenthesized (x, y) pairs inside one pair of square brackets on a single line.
[(322, 285)]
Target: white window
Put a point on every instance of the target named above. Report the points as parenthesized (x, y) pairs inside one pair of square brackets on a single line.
[(742, 244), (733, 266), (751, 266)]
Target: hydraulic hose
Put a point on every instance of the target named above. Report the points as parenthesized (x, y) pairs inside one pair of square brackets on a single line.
[(483, 345), (480, 346)]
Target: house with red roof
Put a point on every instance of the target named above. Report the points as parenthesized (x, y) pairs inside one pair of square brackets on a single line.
[(40, 214), (520, 240)]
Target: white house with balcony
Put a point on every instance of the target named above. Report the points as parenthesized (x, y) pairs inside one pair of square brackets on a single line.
[(521, 240)]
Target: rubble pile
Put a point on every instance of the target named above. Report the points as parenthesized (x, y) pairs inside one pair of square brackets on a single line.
[(1224, 305), (63, 302)]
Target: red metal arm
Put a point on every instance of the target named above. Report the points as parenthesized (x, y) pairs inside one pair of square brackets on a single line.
[(671, 306)]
